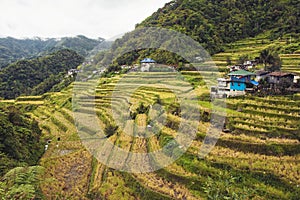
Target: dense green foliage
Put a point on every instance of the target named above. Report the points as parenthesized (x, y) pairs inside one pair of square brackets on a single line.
[(12, 49), (20, 139), (217, 22), (22, 183), (37, 75)]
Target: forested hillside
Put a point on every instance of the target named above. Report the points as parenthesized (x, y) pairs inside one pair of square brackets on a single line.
[(20, 139), (12, 49), (216, 22), (37, 75)]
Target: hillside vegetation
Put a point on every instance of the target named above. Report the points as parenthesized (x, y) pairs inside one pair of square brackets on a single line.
[(12, 49), (20, 138), (287, 47), (37, 75), (214, 23), (256, 160)]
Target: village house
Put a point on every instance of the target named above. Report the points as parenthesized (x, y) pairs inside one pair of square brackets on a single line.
[(249, 64), (241, 80), (125, 67), (238, 84), (146, 64), (237, 67), (261, 75), (276, 77), (72, 72), (222, 89)]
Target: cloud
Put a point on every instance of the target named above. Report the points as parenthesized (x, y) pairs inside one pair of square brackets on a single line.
[(56, 18)]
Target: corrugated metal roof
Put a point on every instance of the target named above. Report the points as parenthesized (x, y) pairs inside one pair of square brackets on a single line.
[(280, 74), (148, 60), (261, 72), (241, 73), (254, 82)]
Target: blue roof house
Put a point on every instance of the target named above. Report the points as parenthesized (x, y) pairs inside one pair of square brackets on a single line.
[(148, 60), (240, 79), (146, 64)]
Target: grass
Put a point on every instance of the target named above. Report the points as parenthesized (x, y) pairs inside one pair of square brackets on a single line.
[(283, 114), (267, 163), (253, 46)]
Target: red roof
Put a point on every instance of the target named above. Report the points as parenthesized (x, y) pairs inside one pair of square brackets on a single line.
[(280, 74)]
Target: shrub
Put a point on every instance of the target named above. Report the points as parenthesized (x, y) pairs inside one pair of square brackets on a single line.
[(110, 130), (142, 109)]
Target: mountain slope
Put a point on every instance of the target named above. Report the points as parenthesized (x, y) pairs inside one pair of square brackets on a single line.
[(12, 49), (257, 161), (216, 22), (20, 138), (23, 76)]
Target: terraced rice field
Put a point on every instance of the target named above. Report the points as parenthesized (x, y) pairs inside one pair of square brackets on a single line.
[(252, 47), (259, 159)]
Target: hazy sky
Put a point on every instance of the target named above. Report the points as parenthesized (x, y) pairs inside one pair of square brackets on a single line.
[(58, 18)]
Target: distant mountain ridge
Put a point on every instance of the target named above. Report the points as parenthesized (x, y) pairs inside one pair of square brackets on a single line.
[(12, 49)]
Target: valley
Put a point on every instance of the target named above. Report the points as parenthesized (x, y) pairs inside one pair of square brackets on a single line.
[(256, 160)]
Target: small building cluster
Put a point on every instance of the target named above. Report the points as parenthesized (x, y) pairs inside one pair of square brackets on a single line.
[(72, 72), (247, 65), (276, 77), (241, 80)]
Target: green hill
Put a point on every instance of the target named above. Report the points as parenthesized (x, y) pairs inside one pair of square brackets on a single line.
[(214, 23), (37, 75), (217, 23), (12, 49)]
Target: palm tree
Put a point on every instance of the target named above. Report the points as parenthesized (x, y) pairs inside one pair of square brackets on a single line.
[(265, 57), (270, 59)]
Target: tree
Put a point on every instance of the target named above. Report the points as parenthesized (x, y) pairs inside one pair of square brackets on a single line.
[(276, 63), (242, 59), (265, 57), (110, 130), (20, 139), (270, 59), (228, 60)]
